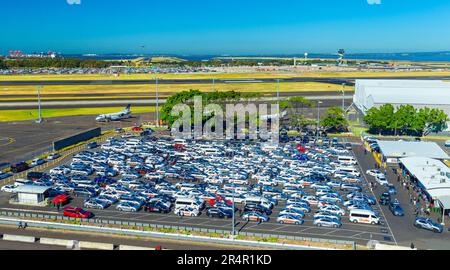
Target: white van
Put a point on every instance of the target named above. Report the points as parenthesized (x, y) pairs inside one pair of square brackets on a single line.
[(349, 160), (350, 170), (364, 216), (189, 201), (259, 200)]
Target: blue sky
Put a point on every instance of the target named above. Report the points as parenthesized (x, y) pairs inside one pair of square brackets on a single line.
[(224, 27)]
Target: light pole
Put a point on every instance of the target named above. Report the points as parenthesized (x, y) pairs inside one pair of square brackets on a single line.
[(157, 103), (278, 90), (232, 225), (214, 84), (343, 97), (318, 120), (39, 104)]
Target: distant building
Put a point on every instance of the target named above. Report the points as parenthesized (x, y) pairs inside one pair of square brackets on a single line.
[(418, 93)]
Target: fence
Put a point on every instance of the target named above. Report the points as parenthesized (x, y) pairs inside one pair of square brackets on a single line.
[(122, 224)]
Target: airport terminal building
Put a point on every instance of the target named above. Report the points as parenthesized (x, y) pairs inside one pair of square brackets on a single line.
[(419, 93)]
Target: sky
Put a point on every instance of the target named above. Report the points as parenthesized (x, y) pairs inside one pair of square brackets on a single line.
[(224, 27)]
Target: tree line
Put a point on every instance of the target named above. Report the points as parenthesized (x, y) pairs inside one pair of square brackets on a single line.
[(405, 120), (56, 63)]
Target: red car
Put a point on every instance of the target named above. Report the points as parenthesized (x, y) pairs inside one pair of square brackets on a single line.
[(77, 212)]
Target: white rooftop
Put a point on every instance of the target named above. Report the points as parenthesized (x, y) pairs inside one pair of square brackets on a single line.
[(432, 174), (401, 149), (414, 92), (31, 189)]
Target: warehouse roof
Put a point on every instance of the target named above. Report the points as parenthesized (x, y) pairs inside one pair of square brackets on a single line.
[(400, 149), (432, 174), (31, 189), (414, 92)]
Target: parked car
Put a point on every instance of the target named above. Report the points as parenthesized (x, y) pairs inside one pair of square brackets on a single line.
[(92, 145), (77, 212), (128, 207), (219, 212), (53, 156), (96, 204), (290, 219), (187, 211), (156, 206), (37, 162), (327, 222), (255, 216), (20, 167)]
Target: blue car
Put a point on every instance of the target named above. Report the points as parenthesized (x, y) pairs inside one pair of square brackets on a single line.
[(391, 189), (396, 209), (428, 224)]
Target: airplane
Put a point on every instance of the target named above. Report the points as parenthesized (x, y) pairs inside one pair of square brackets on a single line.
[(115, 116)]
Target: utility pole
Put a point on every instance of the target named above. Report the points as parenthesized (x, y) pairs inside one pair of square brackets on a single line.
[(157, 103), (343, 98), (39, 105), (214, 84)]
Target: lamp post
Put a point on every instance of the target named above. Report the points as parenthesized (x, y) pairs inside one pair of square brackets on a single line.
[(233, 219), (157, 102), (343, 97), (318, 120), (39, 105)]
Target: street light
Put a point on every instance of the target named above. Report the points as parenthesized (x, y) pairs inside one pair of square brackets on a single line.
[(343, 97), (278, 90), (39, 105), (318, 120), (157, 103), (233, 219)]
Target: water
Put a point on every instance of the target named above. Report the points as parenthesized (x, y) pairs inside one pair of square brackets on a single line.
[(417, 56)]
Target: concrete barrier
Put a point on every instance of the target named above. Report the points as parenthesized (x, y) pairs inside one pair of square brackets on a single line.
[(95, 245), (126, 247), (57, 242), (19, 238)]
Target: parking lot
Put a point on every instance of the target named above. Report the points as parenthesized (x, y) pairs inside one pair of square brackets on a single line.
[(360, 233)]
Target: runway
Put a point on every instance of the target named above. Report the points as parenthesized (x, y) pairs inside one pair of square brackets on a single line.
[(331, 80), (15, 105)]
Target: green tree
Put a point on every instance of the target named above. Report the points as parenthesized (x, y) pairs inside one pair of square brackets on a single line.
[(335, 120)]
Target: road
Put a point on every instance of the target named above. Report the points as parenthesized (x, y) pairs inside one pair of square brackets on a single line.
[(332, 80)]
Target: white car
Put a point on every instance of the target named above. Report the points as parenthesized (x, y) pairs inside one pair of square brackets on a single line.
[(333, 209), (53, 156), (37, 162), (187, 211), (381, 179), (373, 172), (127, 207), (8, 188), (447, 143)]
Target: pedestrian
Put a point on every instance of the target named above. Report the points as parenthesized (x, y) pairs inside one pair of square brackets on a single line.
[(20, 225), (58, 206), (398, 178), (412, 245), (25, 225)]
